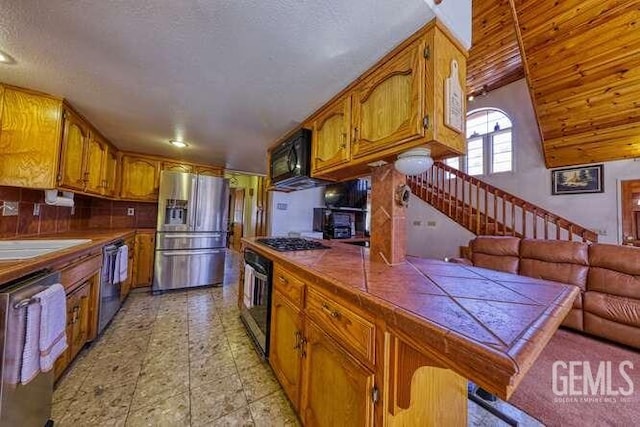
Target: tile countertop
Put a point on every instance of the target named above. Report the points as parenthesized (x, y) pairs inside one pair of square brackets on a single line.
[(486, 325), (11, 270)]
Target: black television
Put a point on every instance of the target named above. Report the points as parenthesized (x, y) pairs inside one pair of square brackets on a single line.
[(349, 194)]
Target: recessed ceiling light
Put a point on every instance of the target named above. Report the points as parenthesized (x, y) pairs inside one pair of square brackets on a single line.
[(5, 58), (176, 143)]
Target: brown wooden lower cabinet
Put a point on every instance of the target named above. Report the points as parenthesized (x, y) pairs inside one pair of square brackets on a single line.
[(81, 318), (325, 383), (336, 389), (125, 287), (285, 344), (144, 253)]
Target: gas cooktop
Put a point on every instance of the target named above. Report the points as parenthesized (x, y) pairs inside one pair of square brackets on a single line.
[(286, 244)]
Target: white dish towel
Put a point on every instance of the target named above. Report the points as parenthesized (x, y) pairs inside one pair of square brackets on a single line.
[(30, 366), (53, 320), (122, 263)]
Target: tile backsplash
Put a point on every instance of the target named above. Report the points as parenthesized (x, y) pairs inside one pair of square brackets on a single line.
[(89, 212)]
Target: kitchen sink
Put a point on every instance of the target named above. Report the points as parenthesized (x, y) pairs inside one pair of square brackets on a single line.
[(26, 249)]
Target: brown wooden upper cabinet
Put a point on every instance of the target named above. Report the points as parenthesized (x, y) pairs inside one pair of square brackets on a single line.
[(177, 167), (331, 144), (388, 105), (210, 171), (140, 177), (30, 138), (396, 105), (95, 169), (110, 188), (72, 156)]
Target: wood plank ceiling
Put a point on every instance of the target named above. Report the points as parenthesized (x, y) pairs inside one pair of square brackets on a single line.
[(582, 63)]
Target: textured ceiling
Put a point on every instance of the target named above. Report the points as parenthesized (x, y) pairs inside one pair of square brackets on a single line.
[(227, 76)]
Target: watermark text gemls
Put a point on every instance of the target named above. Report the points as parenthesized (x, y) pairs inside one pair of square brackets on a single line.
[(584, 379)]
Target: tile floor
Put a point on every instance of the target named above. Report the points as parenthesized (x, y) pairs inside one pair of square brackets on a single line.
[(183, 359)]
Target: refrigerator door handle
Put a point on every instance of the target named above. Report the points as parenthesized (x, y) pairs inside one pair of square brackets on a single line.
[(212, 234), (193, 207), (187, 252)]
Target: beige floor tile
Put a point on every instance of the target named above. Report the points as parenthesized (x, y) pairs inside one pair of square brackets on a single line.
[(216, 399), (258, 381), (239, 418), (99, 405), (246, 357), (207, 369), (160, 384), (273, 410), (171, 412)]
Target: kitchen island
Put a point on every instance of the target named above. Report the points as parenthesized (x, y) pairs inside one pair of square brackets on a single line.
[(362, 343)]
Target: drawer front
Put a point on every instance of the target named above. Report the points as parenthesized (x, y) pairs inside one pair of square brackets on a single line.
[(349, 328), (76, 272), (289, 285)]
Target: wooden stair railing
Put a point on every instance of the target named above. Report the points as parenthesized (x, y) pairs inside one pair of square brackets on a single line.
[(486, 210)]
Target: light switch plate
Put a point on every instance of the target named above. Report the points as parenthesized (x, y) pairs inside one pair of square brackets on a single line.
[(10, 209), (431, 223), (281, 206), (131, 211)]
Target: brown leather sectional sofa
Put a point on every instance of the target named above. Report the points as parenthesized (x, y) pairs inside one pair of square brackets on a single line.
[(608, 277)]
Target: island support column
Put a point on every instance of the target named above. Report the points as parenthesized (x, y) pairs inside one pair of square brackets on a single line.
[(388, 218)]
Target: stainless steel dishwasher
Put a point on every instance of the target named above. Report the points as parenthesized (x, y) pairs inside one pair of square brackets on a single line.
[(30, 404), (109, 286)]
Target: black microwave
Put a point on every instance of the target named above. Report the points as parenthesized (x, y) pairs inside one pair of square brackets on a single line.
[(290, 167)]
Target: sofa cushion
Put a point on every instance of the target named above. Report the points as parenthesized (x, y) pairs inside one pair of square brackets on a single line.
[(496, 252), (618, 309), (560, 261), (604, 327), (614, 270)]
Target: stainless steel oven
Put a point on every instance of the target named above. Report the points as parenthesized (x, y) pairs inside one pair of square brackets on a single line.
[(256, 298)]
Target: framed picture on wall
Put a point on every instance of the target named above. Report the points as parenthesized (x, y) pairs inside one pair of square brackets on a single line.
[(577, 180)]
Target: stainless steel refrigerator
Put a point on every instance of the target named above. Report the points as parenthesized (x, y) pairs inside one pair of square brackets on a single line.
[(192, 231)]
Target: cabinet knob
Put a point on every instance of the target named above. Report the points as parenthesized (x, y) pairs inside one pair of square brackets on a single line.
[(333, 313)]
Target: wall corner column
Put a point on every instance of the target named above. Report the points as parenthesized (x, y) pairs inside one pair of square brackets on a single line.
[(388, 218)]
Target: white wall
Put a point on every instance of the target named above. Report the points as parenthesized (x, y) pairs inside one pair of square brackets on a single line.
[(431, 234), (298, 215), (531, 180)]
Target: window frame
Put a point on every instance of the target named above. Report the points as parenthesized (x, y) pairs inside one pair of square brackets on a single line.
[(487, 147)]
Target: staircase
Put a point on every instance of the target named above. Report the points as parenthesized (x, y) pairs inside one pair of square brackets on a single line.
[(486, 210)]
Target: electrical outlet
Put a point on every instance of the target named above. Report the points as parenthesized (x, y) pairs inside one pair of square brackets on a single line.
[(131, 211), (417, 223), (10, 208), (281, 206), (36, 209), (431, 223)]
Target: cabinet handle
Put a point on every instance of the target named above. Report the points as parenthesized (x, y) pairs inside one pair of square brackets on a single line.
[(74, 316), (298, 344), (333, 313), (303, 348), (283, 280), (355, 135)]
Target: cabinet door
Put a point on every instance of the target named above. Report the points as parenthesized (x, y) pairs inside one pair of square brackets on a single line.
[(209, 171), (388, 105), (177, 167), (72, 157), (110, 175), (78, 310), (332, 135), (336, 389), (29, 139), (140, 178), (94, 167), (285, 341), (144, 255)]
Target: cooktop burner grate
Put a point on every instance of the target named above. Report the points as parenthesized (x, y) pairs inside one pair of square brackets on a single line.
[(286, 244)]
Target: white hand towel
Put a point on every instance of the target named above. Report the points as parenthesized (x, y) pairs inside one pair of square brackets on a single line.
[(249, 280), (30, 366), (122, 263), (53, 320)]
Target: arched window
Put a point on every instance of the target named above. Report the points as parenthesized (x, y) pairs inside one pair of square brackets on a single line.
[(489, 146)]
